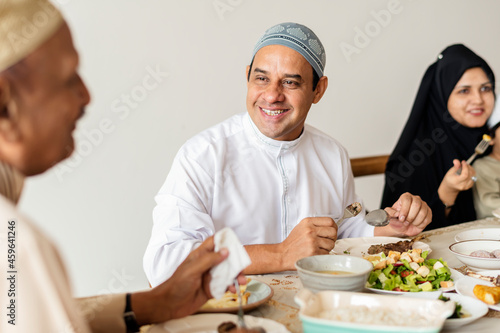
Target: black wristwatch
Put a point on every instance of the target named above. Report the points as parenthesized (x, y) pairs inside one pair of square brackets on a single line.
[(129, 317)]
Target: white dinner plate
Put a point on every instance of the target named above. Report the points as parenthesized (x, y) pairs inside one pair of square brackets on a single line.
[(455, 275), (259, 294), (472, 306), (480, 233), (359, 246), (208, 323), (496, 212), (465, 286)]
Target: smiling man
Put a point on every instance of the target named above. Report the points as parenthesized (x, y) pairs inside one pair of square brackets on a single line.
[(278, 182)]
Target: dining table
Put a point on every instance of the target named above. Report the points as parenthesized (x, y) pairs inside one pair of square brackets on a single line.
[(283, 309)]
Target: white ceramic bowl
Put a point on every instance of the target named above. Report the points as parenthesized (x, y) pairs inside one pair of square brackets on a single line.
[(385, 310), (462, 251), (481, 233), (358, 268)]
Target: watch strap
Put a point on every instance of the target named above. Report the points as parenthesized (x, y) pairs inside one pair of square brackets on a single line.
[(129, 317)]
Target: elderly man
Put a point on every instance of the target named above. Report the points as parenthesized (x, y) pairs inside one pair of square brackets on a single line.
[(279, 183), (41, 98)]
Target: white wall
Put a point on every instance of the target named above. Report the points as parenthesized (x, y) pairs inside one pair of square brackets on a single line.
[(97, 206)]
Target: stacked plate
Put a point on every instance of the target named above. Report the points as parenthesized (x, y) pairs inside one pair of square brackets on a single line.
[(482, 233)]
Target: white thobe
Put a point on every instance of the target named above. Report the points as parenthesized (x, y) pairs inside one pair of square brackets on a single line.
[(231, 175)]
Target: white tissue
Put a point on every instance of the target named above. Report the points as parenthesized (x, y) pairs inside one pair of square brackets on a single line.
[(224, 273)]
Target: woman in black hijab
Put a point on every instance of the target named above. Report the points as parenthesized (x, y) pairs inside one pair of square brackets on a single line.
[(448, 118)]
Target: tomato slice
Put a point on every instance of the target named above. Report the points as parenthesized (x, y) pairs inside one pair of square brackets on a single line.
[(406, 273)]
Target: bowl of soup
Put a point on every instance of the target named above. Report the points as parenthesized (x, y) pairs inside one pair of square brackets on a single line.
[(333, 272)]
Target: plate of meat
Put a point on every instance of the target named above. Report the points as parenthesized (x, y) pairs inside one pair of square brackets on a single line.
[(364, 246)]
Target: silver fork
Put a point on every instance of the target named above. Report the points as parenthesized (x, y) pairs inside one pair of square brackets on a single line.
[(480, 149), (350, 211), (241, 319)]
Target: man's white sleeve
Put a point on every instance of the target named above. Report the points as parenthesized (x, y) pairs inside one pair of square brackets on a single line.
[(181, 219)]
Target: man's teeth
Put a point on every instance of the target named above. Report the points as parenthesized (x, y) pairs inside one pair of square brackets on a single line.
[(476, 111), (273, 113)]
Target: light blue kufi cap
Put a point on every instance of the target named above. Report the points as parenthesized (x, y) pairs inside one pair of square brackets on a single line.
[(299, 38)]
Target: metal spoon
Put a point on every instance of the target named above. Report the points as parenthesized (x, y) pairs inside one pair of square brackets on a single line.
[(377, 218)]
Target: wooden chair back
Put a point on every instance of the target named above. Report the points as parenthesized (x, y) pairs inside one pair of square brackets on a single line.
[(370, 165)]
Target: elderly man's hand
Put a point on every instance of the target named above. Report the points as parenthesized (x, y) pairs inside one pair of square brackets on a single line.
[(409, 216), (185, 291)]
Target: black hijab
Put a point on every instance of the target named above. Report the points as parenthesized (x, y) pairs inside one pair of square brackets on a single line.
[(431, 140)]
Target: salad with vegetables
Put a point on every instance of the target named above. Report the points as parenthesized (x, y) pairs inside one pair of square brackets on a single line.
[(409, 271)]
